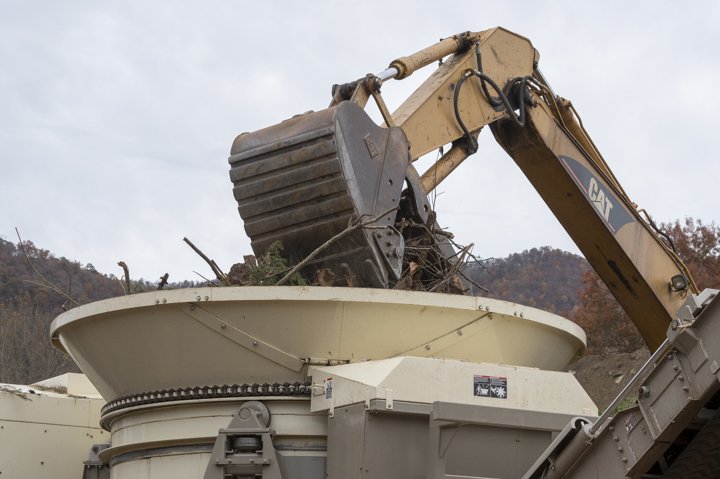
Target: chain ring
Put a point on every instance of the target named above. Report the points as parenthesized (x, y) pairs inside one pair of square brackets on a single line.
[(207, 392)]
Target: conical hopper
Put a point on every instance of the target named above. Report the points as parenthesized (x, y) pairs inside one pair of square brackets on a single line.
[(244, 335)]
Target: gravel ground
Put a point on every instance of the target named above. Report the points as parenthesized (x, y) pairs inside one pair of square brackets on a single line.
[(604, 375)]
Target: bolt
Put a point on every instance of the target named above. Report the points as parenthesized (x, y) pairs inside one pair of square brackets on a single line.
[(427, 346), (459, 333), (685, 388), (624, 459), (616, 439), (681, 378), (674, 325), (164, 301), (223, 325), (675, 368), (620, 449), (207, 297), (644, 391), (255, 343), (157, 301)]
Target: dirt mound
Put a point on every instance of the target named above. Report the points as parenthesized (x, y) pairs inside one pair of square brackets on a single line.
[(604, 375)]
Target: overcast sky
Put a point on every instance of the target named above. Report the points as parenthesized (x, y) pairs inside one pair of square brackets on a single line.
[(116, 118)]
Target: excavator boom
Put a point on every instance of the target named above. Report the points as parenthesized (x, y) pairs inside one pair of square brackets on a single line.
[(627, 254)]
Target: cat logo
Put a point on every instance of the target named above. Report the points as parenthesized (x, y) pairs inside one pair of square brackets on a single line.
[(608, 206), (600, 199)]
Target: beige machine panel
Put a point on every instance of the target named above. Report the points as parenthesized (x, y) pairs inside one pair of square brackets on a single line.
[(232, 335), (425, 380), (48, 432)]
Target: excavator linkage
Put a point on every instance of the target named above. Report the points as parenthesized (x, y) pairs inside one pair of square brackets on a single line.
[(310, 178)]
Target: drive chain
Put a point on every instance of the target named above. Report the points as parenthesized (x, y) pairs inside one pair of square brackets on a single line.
[(207, 392)]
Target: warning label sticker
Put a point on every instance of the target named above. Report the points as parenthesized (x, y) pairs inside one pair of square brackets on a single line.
[(490, 387), (328, 388)]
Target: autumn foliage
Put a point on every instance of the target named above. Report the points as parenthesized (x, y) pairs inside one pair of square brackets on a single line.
[(544, 278), (698, 245)]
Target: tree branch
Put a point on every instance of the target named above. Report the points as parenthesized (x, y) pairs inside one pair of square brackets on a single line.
[(127, 276), (45, 281), (454, 269), (209, 281), (222, 277)]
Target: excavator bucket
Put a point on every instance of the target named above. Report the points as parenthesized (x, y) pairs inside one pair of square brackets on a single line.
[(307, 180)]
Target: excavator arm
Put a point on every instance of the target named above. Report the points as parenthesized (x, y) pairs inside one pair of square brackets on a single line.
[(645, 276), (311, 178)]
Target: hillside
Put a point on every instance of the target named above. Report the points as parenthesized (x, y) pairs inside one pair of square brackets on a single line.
[(29, 302), (545, 278)]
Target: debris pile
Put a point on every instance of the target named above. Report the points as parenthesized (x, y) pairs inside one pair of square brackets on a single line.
[(426, 265), (269, 270)]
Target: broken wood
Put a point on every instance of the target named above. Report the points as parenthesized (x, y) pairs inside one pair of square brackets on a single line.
[(222, 277), (324, 277), (126, 272)]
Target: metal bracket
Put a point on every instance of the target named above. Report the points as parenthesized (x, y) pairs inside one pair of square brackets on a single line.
[(242, 338), (245, 448), (94, 467), (373, 86), (388, 398)]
